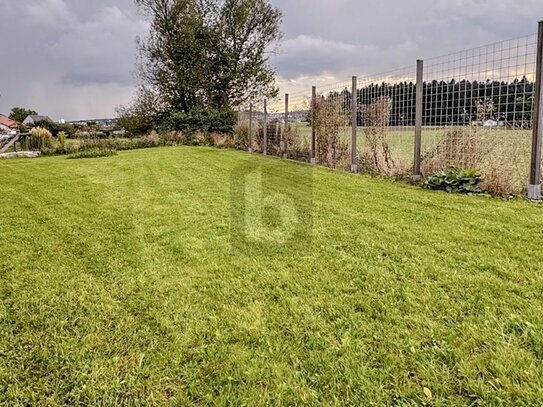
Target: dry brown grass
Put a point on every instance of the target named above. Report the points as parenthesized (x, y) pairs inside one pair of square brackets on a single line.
[(329, 120), (494, 155), (460, 147), (377, 158)]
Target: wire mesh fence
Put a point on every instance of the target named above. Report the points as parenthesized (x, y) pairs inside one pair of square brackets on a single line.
[(470, 109), (387, 122), (331, 121), (298, 134), (276, 127), (478, 109)]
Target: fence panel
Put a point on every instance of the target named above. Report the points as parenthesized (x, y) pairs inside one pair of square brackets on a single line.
[(386, 133), (477, 109), (478, 112), (249, 134), (332, 120), (276, 126), (298, 134)]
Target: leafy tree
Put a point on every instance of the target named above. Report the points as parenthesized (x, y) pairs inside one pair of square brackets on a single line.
[(208, 54), (138, 117), (19, 114)]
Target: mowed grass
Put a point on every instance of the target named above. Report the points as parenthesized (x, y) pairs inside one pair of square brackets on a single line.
[(119, 285)]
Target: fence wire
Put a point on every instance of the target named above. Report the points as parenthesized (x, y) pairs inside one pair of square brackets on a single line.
[(478, 112), (276, 127), (387, 112), (331, 121)]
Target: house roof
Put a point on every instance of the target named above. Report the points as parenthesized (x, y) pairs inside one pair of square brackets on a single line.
[(37, 118), (6, 121)]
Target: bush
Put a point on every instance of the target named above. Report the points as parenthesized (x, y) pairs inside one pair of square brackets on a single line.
[(200, 120), (40, 139), (330, 119), (62, 139), (241, 135), (464, 147), (117, 144), (92, 154), (377, 158), (222, 140), (455, 180)]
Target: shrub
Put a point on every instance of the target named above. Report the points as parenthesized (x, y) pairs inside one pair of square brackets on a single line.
[(92, 154), (464, 147), (378, 158), (298, 143), (168, 138), (455, 180), (62, 139), (241, 135), (117, 144), (40, 139), (223, 140), (200, 120), (330, 120)]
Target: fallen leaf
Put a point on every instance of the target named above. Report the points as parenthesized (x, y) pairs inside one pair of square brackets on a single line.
[(427, 393)]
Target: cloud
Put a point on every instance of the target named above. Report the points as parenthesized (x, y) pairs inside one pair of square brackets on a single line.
[(49, 13), (74, 58), (67, 53), (337, 39)]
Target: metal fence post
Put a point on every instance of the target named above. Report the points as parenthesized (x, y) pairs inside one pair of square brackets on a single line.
[(354, 125), (251, 127), (313, 129), (534, 188), (265, 131), (286, 132), (417, 174)]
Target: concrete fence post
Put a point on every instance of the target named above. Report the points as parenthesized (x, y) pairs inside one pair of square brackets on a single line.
[(251, 127), (534, 187), (313, 128), (354, 125), (286, 132), (265, 131), (417, 174)]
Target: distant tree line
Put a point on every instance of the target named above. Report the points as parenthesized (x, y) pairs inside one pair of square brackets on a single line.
[(449, 103)]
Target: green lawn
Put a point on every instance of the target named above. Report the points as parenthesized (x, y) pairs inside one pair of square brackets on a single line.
[(119, 284)]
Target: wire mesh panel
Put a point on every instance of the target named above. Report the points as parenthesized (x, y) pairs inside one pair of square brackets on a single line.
[(385, 137), (241, 133), (298, 134), (478, 111), (252, 130), (332, 117), (276, 126)]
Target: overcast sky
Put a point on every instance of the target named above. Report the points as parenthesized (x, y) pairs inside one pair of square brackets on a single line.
[(74, 59)]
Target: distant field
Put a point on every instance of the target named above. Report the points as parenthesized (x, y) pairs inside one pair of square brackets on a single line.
[(119, 286)]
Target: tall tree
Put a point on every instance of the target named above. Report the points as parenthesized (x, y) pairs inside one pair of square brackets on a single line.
[(208, 54), (20, 113)]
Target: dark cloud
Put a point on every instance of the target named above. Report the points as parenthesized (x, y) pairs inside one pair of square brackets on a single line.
[(75, 58), (63, 52), (336, 39)]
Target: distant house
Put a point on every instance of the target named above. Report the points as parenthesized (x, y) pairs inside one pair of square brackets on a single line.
[(490, 123), (33, 119), (7, 125)]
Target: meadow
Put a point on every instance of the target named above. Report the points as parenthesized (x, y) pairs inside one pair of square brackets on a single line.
[(119, 284)]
